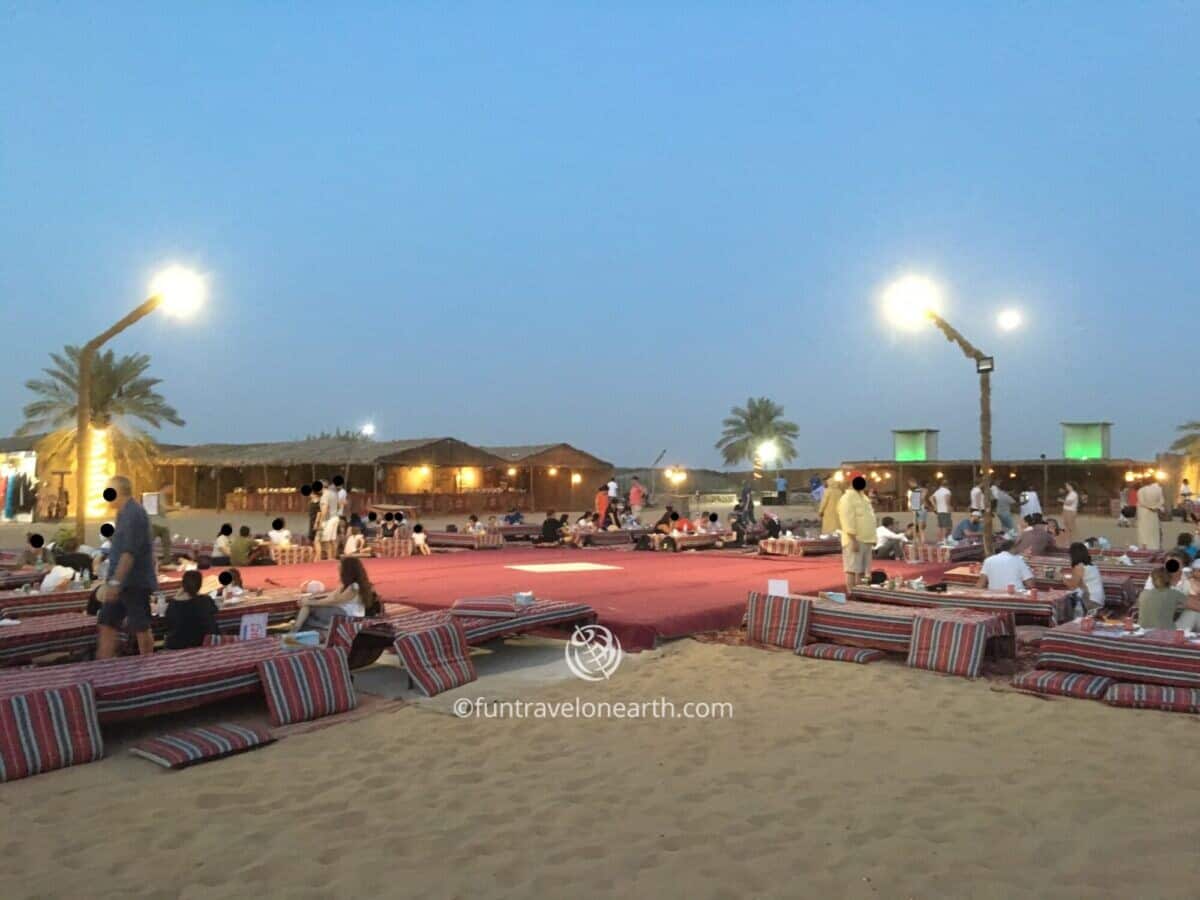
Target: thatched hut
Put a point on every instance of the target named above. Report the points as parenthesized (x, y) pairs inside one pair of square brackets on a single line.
[(555, 476)]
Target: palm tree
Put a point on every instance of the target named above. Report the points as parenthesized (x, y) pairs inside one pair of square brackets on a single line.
[(122, 395), (749, 426), (1188, 441)]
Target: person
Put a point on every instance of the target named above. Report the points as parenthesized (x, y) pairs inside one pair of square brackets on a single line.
[(745, 504), (1162, 606), (614, 491), (663, 524), (328, 522), (856, 519), (828, 508), (816, 489), (1185, 544), (190, 615), (889, 544), (1003, 502), (941, 505), (1185, 499), (279, 536), (681, 524), (36, 553), (1004, 569), (781, 489), (1031, 503), (389, 526), (514, 517), (771, 523), (1150, 504), (916, 506), (1070, 511), (223, 546), (629, 519), (600, 502), (229, 586), (713, 525), (133, 577), (420, 541), (474, 526), (1084, 576), (355, 597), (243, 550), (356, 543), (977, 497), (551, 529), (969, 527), (1035, 540), (637, 497)]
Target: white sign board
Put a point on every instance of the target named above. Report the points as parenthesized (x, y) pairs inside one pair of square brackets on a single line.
[(777, 587), (254, 625)]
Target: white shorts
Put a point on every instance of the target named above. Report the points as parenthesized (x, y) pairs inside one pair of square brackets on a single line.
[(329, 531)]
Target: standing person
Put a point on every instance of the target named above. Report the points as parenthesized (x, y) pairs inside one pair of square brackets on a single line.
[(328, 523), (314, 510), (1004, 504), (941, 501), (637, 497), (781, 489), (133, 575), (828, 509), (816, 488), (857, 520), (1185, 500), (746, 503), (977, 498), (614, 494), (1031, 504), (916, 506), (1070, 511), (1150, 504), (600, 505)]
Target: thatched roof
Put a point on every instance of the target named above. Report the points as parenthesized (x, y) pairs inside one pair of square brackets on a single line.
[(317, 451), (442, 452), (549, 455)]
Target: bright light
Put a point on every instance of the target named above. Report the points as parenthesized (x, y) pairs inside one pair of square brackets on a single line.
[(677, 476), (553, 471), (768, 451), (511, 471), (424, 470), (1160, 475), (576, 478), (669, 473), (182, 291), (908, 302), (1129, 476), (98, 473), (368, 430), (839, 476), (1009, 319)]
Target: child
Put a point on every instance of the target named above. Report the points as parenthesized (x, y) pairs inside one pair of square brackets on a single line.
[(279, 536), (420, 544), (388, 529), (356, 544), (190, 615), (474, 526)]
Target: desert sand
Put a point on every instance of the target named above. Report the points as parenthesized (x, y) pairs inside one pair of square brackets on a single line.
[(830, 780)]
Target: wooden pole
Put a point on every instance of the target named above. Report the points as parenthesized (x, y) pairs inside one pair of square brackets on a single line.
[(985, 448)]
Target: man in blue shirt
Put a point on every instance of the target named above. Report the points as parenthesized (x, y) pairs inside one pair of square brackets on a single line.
[(968, 527), (133, 574), (781, 487)]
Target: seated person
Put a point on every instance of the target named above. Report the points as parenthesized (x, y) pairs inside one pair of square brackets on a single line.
[(36, 552), (1084, 577), (190, 615), (388, 528), (492, 524), (420, 541), (713, 524), (629, 519), (1161, 604), (514, 517), (223, 546), (889, 543), (474, 526), (370, 529), (770, 522), (663, 524), (354, 597), (1005, 569), (1185, 543), (356, 543), (1035, 540), (971, 526), (279, 536), (229, 586), (244, 550), (681, 524), (551, 529)]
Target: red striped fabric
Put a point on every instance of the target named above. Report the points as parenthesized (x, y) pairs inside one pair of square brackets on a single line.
[(1064, 684), (1151, 658), (307, 685), (1154, 696), (194, 745), (485, 541), (392, 548), (949, 647), (485, 607), (778, 621), (799, 546), (437, 658), (861, 655), (43, 730), (966, 552), (1050, 605)]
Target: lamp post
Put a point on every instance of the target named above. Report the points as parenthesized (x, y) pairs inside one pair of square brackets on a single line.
[(179, 291), (913, 300)]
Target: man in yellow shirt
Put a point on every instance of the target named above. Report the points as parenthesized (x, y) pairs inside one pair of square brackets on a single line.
[(828, 508), (857, 520)]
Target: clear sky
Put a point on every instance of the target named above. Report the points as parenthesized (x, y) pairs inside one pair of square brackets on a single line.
[(607, 224)]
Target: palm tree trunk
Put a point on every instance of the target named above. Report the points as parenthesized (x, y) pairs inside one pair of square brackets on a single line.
[(985, 454)]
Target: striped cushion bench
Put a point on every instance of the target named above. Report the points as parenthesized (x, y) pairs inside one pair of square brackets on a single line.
[(485, 607), (216, 640), (1063, 684), (778, 621), (194, 745), (292, 555), (392, 548), (49, 729), (1154, 696), (842, 654), (946, 646), (437, 658), (307, 685)]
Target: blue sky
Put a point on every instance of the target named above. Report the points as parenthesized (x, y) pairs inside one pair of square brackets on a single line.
[(606, 224)]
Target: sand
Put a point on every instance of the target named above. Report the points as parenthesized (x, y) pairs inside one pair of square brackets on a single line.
[(830, 780)]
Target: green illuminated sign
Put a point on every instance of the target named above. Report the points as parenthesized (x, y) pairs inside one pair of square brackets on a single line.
[(1084, 442), (910, 446)]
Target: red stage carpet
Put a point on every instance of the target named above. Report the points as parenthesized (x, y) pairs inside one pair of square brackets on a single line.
[(647, 597)]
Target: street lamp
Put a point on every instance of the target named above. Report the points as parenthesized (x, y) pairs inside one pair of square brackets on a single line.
[(180, 292), (914, 300), (368, 430)]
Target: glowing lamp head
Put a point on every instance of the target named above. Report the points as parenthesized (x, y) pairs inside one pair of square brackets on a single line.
[(1009, 319), (553, 471), (368, 430), (1160, 475), (909, 301), (424, 470), (180, 291), (768, 452), (511, 471), (576, 478)]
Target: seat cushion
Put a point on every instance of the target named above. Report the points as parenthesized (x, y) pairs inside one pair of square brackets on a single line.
[(306, 685), (1154, 696), (216, 640), (947, 646), (48, 729), (194, 745), (437, 658), (841, 653), (778, 621), (1063, 684), (485, 607)]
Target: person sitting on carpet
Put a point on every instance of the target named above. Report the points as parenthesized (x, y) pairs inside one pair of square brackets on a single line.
[(971, 526), (1003, 570), (713, 524), (356, 543), (663, 525), (1162, 606), (771, 523), (420, 542), (681, 524), (355, 597), (190, 615), (474, 526), (1185, 544), (279, 536), (244, 550), (1084, 577), (222, 546), (514, 517), (889, 544), (388, 528), (551, 529), (1035, 540), (629, 519)]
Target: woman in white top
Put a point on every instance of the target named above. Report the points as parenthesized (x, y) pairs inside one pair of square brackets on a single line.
[(279, 536), (355, 598), (222, 546), (1069, 511), (1084, 577)]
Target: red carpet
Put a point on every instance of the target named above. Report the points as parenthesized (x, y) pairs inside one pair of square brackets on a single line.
[(650, 597)]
